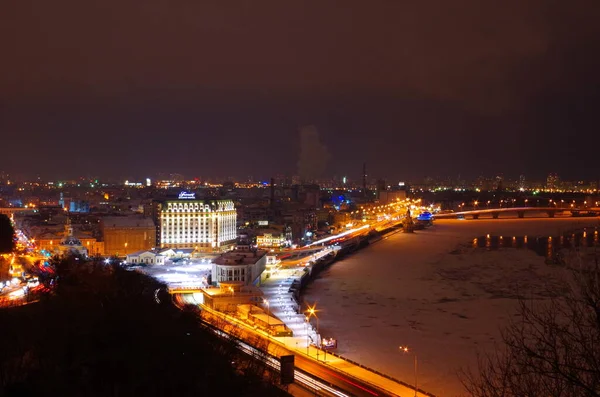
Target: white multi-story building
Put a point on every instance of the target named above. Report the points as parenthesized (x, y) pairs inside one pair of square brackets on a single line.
[(242, 265), (196, 224)]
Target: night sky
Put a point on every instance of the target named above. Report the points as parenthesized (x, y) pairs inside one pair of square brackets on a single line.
[(220, 88)]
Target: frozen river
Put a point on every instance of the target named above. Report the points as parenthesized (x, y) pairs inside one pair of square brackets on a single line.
[(435, 293)]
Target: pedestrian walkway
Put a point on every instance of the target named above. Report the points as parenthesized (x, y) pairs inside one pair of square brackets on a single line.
[(353, 369), (282, 304)]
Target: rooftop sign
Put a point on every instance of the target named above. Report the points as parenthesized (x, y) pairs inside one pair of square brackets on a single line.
[(187, 196)]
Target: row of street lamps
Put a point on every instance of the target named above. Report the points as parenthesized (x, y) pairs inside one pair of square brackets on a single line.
[(312, 311), (551, 202)]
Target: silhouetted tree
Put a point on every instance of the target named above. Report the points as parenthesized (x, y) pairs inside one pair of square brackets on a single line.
[(7, 235), (553, 349), (103, 333)]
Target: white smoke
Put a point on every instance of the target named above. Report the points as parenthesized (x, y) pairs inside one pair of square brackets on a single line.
[(314, 155)]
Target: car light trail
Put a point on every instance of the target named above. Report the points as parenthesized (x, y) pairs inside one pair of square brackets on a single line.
[(301, 377), (347, 232)]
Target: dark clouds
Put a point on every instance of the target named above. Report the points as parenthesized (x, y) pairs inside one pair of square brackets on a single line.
[(234, 80)]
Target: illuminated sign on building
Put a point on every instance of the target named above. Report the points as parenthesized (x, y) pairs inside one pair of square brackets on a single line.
[(187, 196)]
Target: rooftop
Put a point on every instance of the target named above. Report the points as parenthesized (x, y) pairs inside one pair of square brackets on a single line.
[(239, 257), (127, 221)]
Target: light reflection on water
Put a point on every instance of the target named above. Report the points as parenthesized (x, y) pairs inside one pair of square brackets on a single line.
[(546, 246)]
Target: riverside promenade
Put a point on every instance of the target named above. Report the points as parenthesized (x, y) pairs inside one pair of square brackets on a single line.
[(280, 301)]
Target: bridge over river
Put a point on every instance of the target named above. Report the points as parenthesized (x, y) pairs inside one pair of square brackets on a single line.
[(520, 212)]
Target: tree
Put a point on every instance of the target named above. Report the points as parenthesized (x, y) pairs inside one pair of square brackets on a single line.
[(7, 235), (103, 333), (553, 349)]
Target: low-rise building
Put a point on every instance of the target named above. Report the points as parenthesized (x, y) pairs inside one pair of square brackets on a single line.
[(173, 253), (68, 242), (228, 296), (271, 238), (257, 316), (147, 257), (244, 265)]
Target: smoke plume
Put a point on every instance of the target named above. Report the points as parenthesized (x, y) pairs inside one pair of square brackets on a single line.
[(314, 155)]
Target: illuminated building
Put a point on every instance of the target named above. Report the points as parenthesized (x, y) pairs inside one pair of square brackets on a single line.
[(124, 235), (198, 224), (243, 265), (147, 257), (68, 242), (274, 239), (552, 182)]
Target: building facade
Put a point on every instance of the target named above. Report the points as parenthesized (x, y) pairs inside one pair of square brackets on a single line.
[(147, 257), (124, 235), (243, 265), (274, 239), (67, 242), (196, 224)]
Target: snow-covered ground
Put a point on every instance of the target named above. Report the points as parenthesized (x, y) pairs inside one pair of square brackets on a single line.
[(435, 293), (193, 272)]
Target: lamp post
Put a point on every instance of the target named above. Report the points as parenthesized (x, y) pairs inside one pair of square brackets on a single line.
[(307, 339), (404, 349), (313, 312)]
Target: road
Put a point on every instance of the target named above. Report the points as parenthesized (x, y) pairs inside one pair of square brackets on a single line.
[(339, 380), (332, 376)]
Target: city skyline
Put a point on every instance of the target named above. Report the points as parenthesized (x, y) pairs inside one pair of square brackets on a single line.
[(349, 180), (276, 198), (472, 88)]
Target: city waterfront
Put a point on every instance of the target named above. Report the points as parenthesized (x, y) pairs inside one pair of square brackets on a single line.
[(436, 291)]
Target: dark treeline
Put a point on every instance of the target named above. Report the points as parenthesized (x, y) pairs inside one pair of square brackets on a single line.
[(101, 332), (7, 234)]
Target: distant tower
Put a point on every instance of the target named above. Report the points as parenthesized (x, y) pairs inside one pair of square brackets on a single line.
[(364, 178), (272, 192), (522, 182), (552, 181)]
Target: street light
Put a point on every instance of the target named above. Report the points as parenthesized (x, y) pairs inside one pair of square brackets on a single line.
[(306, 319), (404, 349), (313, 312)]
